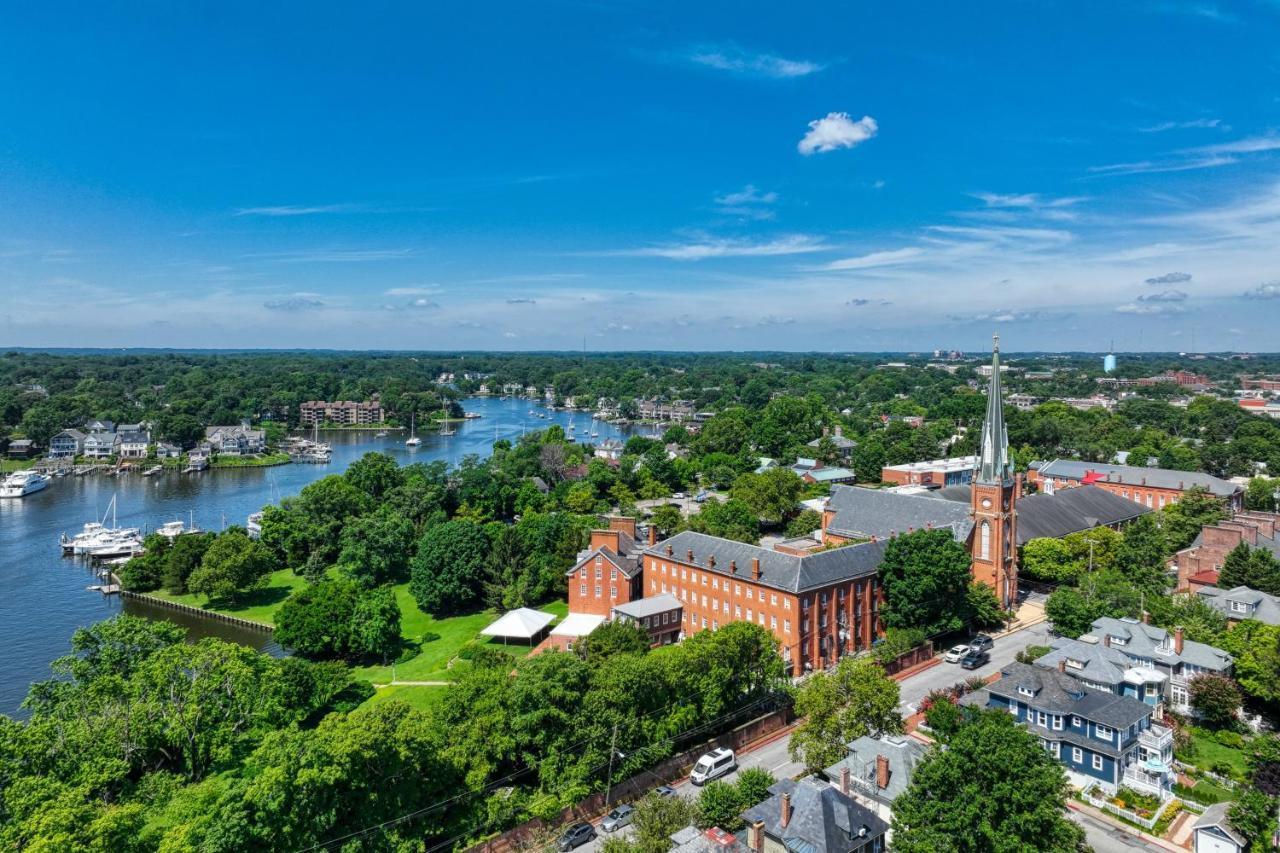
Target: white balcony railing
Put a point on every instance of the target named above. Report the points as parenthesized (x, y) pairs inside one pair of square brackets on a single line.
[(1158, 739)]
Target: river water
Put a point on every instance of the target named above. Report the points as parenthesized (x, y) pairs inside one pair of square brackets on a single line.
[(44, 594)]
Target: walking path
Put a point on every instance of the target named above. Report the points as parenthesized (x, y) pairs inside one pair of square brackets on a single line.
[(414, 684)]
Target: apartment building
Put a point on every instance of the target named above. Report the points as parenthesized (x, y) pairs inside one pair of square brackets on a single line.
[(345, 412), (1154, 488)]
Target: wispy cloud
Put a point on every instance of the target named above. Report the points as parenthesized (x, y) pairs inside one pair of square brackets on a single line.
[(333, 256), (1030, 201), (1169, 278), (738, 61), (1000, 234), (521, 300), (835, 131), (890, 257), (747, 203), (299, 210), (1193, 124), (1247, 145), (1147, 167), (415, 290), (795, 244), (1164, 296)]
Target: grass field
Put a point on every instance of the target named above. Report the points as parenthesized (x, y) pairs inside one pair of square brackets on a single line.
[(1210, 752), (422, 698), (259, 606), (8, 466)]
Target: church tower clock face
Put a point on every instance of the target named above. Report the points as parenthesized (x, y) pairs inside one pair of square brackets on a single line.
[(986, 503)]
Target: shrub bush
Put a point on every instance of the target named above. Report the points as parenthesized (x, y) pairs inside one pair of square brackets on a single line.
[(1226, 737)]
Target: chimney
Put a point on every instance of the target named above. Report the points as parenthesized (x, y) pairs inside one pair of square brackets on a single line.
[(1106, 640), (844, 779), (670, 550), (882, 772), (733, 567), (755, 837), (711, 561), (786, 810), (653, 535), (755, 568), (1146, 618), (688, 555), (839, 431), (1177, 641), (1062, 665)]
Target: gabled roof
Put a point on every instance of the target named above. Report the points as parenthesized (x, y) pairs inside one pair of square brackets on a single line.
[(841, 442), (1160, 478), (1102, 664), (521, 622), (1215, 817), (1066, 511), (1261, 606), (786, 572), (902, 753), (823, 820), (1057, 693), (863, 513), (1144, 640)]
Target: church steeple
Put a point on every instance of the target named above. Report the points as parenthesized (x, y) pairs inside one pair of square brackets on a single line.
[(995, 466)]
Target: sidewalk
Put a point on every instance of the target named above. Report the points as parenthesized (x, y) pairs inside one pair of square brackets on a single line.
[(1159, 843)]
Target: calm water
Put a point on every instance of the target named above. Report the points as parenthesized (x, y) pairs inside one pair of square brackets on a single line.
[(45, 598)]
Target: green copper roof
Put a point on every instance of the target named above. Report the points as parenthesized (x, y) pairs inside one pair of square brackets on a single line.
[(995, 465)]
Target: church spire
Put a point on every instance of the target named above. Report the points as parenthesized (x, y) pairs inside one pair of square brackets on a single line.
[(994, 463)]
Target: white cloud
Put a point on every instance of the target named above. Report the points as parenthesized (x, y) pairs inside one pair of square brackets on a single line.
[(1031, 201), (1149, 308), (886, 258), (1199, 123), (1001, 234), (297, 210), (417, 290), (1248, 145), (748, 203), (1164, 296), (297, 302), (1146, 167), (1267, 290), (835, 131), (332, 256), (720, 248), (738, 61)]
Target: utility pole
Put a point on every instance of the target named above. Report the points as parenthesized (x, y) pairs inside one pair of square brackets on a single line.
[(1091, 543), (613, 750)]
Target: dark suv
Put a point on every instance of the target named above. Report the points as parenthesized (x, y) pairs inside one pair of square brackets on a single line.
[(575, 836), (974, 659)]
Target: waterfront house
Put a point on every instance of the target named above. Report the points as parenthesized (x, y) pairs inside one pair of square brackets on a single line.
[(167, 450), (811, 816), (1242, 603), (21, 448), (235, 440), (67, 444), (1100, 737), (609, 450), (100, 426), (100, 445), (1149, 646), (133, 444)]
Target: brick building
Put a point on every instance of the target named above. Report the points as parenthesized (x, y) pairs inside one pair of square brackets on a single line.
[(346, 412), (935, 472), (608, 573), (1199, 563), (1260, 383), (1154, 488)]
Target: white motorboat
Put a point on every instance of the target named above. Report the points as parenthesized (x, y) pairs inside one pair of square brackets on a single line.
[(124, 546), (22, 483)]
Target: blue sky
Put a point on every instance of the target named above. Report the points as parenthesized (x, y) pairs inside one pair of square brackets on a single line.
[(641, 175)]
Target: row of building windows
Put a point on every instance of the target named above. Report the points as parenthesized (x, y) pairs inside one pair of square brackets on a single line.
[(707, 579), (582, 591), (613, 573)]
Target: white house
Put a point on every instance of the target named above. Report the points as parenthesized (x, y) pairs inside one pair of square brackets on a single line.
[(100, 445), (133, 444)]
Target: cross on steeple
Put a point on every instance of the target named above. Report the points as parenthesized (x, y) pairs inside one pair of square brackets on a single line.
[(994, 463)]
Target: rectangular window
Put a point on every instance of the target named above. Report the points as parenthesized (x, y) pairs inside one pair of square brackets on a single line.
[(582, 590), (613, 574), (1076, 754), (773, 622), (786, 604), (704, 601), (725, 605), (599, 573), (786, 626), (613, 592), (1075, 721), (653, 585), (1056, 749), (748, 614), (773, 599), (597, 590), (664, 618), (737, 589), (704, 580), (583, 573), (1097, 762), (704, 621), (1041, 719), (1102, 732), (761, 617), (715, 604), (714, 624), (737, 611)]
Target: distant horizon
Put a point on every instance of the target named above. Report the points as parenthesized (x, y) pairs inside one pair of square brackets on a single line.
[(1080, 177)]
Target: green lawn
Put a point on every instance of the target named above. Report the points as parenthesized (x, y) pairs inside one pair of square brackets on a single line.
[(8, 466), (1209, 752), (422, 698), (259, 606)]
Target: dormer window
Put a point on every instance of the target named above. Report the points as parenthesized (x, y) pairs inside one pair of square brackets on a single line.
[(1239, 607), (1118, 641), (1072, 663), (1026, 691)]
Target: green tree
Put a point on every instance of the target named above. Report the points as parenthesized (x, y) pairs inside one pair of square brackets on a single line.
[(983, 607), (232, 565), (375, 474), (447, 571), (612, 638), (1256, 568), (656, 818), (338, 618), (771, 496), (1215, 698), (993, 788), (857, 699), (1256, 650), (375, 548), (943, 716), (753, 786), (803, 524), (145, 572), (718, 805), (185, 555), (1253, 815), (1184, 519), (1072, 610), (1143, 553), (731, 519), (667, 519), (925, 577)]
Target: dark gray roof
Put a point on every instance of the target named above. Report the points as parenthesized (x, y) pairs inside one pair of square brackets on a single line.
[(1261, 606), (902, 753), (74, 433), (1144, 641), (1071, 510), (629, 563), (1215, 816), (1161, 478), (823, 820), (1058, 693), (869, 512), (841, 442), (133, 438), (1101, 664), (786, 572)]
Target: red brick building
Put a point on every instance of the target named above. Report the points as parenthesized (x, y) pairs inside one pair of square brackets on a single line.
[(609, 572), (1154, 488), (1199, 564)]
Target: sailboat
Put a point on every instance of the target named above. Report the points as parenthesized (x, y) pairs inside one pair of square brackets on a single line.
[(445, 428), (413, 441), (595, 432)]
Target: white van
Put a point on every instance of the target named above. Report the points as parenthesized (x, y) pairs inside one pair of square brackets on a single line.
[(713, 765)]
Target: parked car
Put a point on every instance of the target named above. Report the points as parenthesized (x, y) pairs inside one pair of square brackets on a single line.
[(713, 765), (974, 659), (575, 836), (981, 643), (955, 654), (678, 496), (664, 791), (701, 497), (618, 818)]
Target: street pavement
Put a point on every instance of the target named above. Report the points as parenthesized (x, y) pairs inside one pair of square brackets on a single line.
[(1106, 838), (914, 688)]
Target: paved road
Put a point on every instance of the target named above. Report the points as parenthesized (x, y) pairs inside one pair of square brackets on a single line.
[(1105, 838), (916, 687)]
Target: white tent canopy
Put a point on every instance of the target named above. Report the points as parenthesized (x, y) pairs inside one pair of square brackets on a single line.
[(577, 625), (521, 623)]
